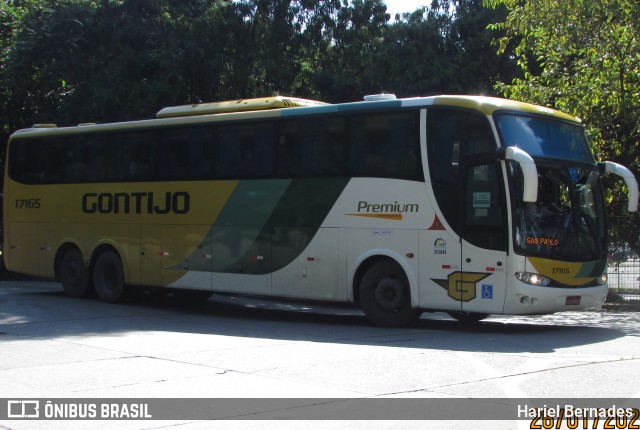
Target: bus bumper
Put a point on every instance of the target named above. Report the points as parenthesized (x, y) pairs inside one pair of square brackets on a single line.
[(529, 299)]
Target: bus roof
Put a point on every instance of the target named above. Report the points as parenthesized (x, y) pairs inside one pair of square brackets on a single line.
[(242, 105), (288, 107), (489, 105)]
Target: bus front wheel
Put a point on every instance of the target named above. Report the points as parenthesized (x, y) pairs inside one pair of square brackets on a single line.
[(74, 275), (385, 297), (108, 278)]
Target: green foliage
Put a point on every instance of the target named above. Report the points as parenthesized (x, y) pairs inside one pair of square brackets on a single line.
[(71, 61), (78, 61), (583, 57), (442, 49)]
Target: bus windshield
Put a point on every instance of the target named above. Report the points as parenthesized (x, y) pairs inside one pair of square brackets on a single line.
[(567, 221), (541, 137)]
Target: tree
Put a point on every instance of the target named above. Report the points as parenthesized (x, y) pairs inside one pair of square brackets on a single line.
[(71, 61), (346, 70), (583, 57), (11, 14), (83, 61), (444, 49)]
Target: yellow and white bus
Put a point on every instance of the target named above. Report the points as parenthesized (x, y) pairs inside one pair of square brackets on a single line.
[(469, 205)]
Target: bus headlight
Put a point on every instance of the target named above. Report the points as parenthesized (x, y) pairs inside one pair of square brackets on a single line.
[(602, 279), (533, 279)]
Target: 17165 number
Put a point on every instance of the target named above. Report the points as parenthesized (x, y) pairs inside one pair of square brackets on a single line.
[(27, 203)]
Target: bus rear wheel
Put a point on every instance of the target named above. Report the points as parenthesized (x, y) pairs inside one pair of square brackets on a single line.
[(385, 297), (108, 278), (74, 275)]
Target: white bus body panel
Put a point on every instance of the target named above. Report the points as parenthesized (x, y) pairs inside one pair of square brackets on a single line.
[(313, 274)]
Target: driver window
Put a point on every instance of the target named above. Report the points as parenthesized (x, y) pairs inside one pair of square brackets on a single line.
[(453, 137)]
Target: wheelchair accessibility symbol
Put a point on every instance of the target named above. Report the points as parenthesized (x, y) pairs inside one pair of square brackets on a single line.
[(487, 291)]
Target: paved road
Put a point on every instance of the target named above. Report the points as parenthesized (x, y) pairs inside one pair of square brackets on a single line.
[(58, 347)]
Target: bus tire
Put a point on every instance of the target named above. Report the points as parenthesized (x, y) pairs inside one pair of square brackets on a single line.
[(74, 275), (385, 297), (108, 278), (468, 317)]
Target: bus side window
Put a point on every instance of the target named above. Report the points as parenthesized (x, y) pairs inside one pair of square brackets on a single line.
[(86, 159), (291, 144), (185, 154), (39, 160), (244, 151), (331, 152), (133, 156), (385, 145), (453, 136), (173, 154), (21, 168), (311, 148)]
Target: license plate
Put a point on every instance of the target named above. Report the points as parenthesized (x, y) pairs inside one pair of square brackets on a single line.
[(572, 300)]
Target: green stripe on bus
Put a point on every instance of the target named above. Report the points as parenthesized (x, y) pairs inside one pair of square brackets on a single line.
[(592, 269), (293, 223)]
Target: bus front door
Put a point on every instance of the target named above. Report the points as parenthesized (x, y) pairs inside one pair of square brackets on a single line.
[(484, 240)]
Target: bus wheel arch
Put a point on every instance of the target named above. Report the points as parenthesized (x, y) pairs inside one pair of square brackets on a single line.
[(70, 270), (108, 275), (382, 288)]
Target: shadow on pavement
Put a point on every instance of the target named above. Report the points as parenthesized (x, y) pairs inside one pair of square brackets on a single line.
[(40, 310)]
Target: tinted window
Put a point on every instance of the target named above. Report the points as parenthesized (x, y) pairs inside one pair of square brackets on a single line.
[(545, 138), (484, 209), (385, 145), (311, 148), (37, 161), (136, 156), (88, 159), (454, 136), (186, 154), (244, 151), (378, 145)]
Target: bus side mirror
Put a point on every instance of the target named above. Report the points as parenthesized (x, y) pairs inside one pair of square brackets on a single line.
[(529, 171), (629, 179)]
